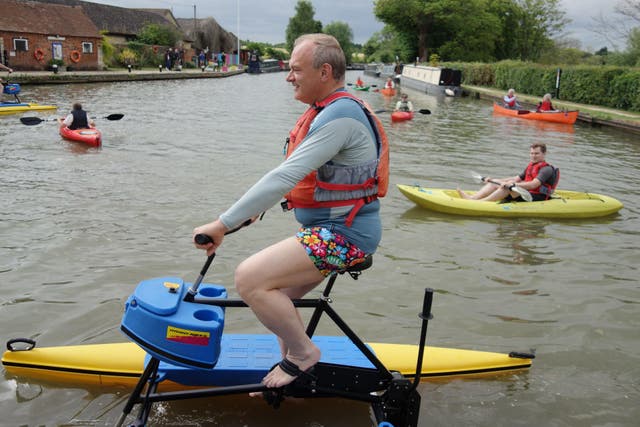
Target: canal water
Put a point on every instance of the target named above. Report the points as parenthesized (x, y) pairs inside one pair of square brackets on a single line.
[(80, 227)]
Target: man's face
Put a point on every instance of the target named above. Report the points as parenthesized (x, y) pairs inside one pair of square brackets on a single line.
[(536, 155), (303, 76)]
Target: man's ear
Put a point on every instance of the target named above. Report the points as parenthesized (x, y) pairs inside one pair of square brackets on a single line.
[(326, 72)]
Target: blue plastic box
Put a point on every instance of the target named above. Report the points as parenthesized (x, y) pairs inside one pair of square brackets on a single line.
[(172, 330)]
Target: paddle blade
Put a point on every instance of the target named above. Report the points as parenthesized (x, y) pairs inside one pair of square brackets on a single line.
[(526, 196), (424, 111), (380, 111), (476, 176), (30, 121), (114, 116), (521, 112)]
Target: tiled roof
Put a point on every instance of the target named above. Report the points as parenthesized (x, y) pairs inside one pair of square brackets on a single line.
[(22, 16), (114, 19)]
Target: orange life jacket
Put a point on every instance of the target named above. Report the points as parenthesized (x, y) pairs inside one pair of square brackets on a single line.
[(302, 195)]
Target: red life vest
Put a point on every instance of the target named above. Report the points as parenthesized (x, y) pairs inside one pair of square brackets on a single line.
[(546, 106), (509, 101), (302, 195), (532, 171)]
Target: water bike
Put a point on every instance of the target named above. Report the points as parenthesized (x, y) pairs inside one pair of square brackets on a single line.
[(178, 343), (17, 106)]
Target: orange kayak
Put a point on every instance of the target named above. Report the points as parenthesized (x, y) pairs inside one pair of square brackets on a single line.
[(556, 116), (388, 91), (91, 136), (401, 116)]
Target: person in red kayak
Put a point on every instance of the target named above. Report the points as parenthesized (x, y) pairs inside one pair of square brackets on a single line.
[(389, 84), (404, 104), (545, 104), (77, 119)]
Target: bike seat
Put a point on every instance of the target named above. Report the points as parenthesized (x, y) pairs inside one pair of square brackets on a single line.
[(368, 262)]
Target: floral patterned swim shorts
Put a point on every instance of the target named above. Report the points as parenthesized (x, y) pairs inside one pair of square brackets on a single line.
[(329, 251)]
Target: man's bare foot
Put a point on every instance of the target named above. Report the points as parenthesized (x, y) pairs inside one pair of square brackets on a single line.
[(462, 194), (290, 368)]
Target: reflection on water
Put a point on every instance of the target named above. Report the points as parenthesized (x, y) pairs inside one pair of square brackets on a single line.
[(526, 241), (81, 227)]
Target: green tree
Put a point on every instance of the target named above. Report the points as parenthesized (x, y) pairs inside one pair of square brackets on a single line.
[(454, 29), (633, 46), (537, 22), (343, 33), (465, 30), (163, 35), (507, 12), (475, 30), (407, 17), (302, 23), (388, 43)]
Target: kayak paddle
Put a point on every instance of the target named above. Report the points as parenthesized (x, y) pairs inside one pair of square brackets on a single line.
[(526, 196), (30, 121), (423, 111)]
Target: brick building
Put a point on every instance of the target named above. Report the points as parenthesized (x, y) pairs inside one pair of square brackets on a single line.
[(33, 33)]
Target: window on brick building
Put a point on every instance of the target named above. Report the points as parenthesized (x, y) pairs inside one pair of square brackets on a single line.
[(20, 45), (87, 47)]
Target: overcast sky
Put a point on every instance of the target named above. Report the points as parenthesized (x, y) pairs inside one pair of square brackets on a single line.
[(267, 20)]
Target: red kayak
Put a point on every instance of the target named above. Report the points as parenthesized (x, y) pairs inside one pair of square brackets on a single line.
[(401, 116), (91, 136)]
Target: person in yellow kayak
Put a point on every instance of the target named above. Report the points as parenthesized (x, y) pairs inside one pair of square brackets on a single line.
[(77, 119), (539, 179), (336, 168)]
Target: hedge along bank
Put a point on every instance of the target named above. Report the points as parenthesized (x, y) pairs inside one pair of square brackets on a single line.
[(606, 86)]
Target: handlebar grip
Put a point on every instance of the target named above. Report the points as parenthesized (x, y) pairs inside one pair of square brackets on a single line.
[(203, 239)]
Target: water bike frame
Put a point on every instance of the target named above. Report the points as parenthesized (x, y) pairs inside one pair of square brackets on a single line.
[(393, 398)]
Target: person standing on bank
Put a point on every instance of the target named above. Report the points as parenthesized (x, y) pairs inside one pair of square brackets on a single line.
[(336, 167), (77, 119)]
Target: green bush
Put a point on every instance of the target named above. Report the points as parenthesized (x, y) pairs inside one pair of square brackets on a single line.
[(607, 86)]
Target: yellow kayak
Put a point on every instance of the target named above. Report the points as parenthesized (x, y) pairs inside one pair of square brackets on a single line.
[(22, 107), (121, 364), (563, 204)]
